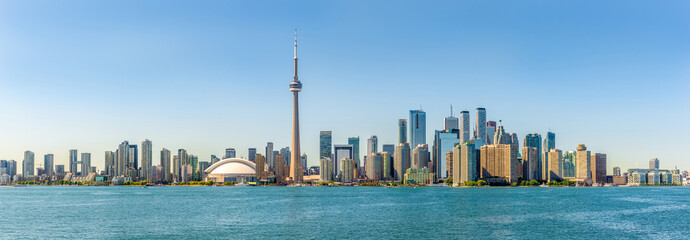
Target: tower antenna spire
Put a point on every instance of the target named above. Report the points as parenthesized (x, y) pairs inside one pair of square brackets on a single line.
[(451, 110), (295, 78)]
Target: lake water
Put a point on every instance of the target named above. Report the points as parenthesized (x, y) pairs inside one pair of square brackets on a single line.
[(343, 212)]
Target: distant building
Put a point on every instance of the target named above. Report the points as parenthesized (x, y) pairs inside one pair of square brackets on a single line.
[(468, 163), (583, 163), (499, 163), (279, 170), (654, 163), (401, 161), (60, 170), (372, 145), (347, 173), (402, 130), (48, 162), (342, 151), (270, 161), (598, 167), (420, 156), (387, 159), (616, 171), (73, 160), (530, 164), (325, 169), (450, 123), (374, 169), (110, 163), (417, 127), (251, 157), (85, 164), (481, 125), (569, 164), (165, 165), (325, 144), (541, 166), (464, 127), (555, 165), (418, 176), (354, 141), (444, 141), (491, 133), (260, 166), (28, 166), (146, 161), (230, 153)]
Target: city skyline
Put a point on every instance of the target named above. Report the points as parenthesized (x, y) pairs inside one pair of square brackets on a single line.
[(214, 104)]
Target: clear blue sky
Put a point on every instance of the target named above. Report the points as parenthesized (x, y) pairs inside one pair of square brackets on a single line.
[(614, 75)]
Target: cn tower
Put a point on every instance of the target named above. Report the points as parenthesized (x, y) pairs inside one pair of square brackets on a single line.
[(295, 158)]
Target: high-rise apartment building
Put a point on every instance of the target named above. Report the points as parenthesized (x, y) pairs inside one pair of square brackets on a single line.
[(326, 169), (464, 126), (417, 127), (654, 163), (165, 164), (444, 141), (616, 171), (555, 165), (583, 163), (260, 167), (48, 164), (401, 160), (530, 163), (374, 169), (598, 168), (420, 156), (464, 163), (534, 140), (110, 163), (387, 160), (270, 160), (73, 161), (28, 166), (146, 160), (354, 141), (372, 145), (85, 164)]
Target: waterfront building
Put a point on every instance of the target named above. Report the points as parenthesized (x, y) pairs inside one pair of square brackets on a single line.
[(325, 169), (598, 168), (444, 141), (85, 164), (449, 163), (374, 168), (401, 161), (146, 160), (342, 151), (481, 125), (348, 170), (165, 164), (133, 158), (616, 171), (583, 163), (387, 164), (555, 165), (270, 160), (73, 160), (279, 170), (419, 176), (193, 161), (251, 157), (232, 170), (260, 165), (420, 156), (354, 141), (402, 130), (498, 163), (464, 127), (230, 153), (48, 162), (491, 133), (569, 164), (541, 166), (530, 163), (28, 166), (325, 144), (417, 127), (468, 162), (178, 163), (654, 163)]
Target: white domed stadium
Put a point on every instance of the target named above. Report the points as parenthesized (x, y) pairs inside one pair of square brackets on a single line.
[(232, 170)]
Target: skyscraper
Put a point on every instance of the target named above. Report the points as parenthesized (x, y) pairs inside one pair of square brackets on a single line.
[(165, 163), (464, 163), (549, 141), (417, 127), (491, 133), (450, 122), (481, 124), (420, 156), (270, 160), (280, 168), (499, 161), (110, 163), (374, 169), (252, 155), (387, 164), (390, 148), (295, 88), (85, 164), (28, 164), (444, 141), (654, 163), (372, 145), (287, 155), (230, 153), (464, 126), (342, 151), (583, 163), (530, 161), (48, 164), (555, 165), (354, 141), (325, 144), (534, 140), (326, 169), (146, 160), (178, 164), (598, 168), (260, 167), (401, 161), (133, 157), (73, 160), (616, 171), (402, 130)]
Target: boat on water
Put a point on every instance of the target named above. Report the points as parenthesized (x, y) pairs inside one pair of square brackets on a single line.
[(543, 185)]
